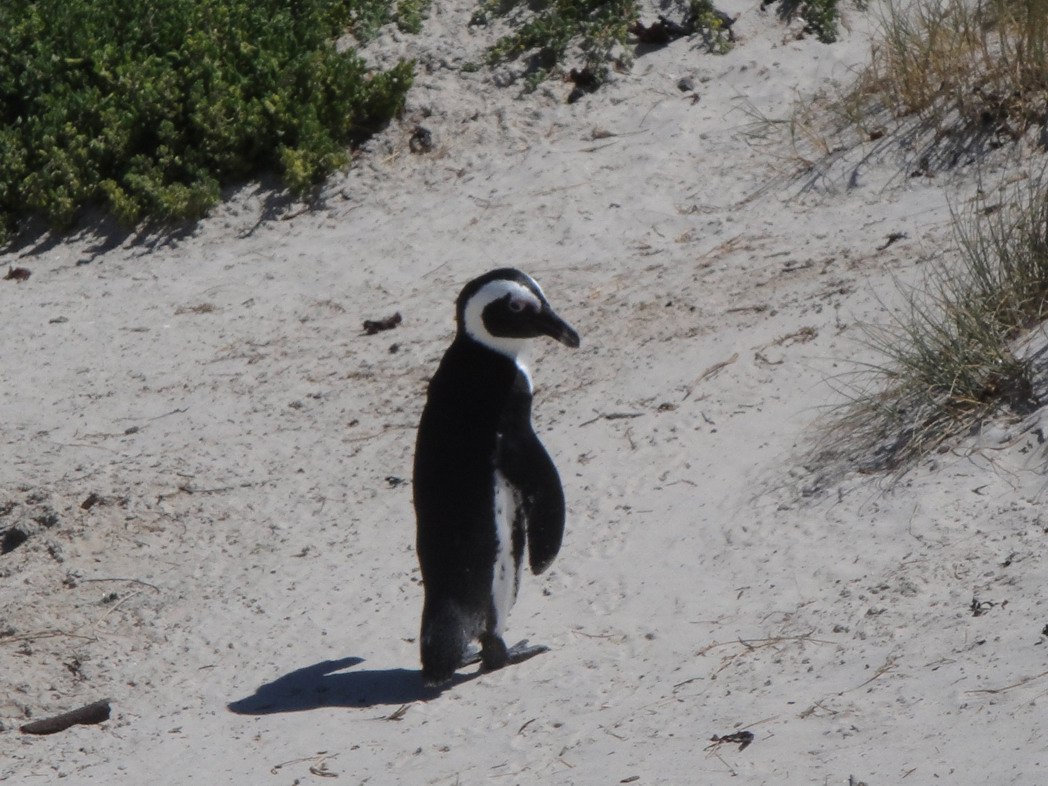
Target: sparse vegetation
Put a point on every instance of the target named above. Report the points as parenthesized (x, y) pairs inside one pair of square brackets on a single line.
[(367, 16), (713, 25), (950, 81), (950, 357), (820, 16), (410, 14), (597, 26), (955, 78), (947, 83), (147, 109)]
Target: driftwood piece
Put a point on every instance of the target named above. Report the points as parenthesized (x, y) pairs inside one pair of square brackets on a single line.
[(96, 712), (373, 326)]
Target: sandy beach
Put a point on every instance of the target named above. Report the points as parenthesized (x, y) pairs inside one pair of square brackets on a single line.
[(212, 460)]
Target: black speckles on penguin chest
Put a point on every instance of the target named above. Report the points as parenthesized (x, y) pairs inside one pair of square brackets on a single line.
[(509, 528)]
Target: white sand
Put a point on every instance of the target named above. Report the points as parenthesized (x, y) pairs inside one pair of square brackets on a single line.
[(216, 391)]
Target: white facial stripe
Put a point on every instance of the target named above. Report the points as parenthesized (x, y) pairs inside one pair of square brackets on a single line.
[(535, 284), (474, 319)]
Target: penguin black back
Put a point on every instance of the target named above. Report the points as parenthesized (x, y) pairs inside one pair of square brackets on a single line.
[(484, 485)]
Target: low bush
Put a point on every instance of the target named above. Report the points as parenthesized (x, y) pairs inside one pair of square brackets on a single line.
[(596, 28), (821, 17), (147, 108)]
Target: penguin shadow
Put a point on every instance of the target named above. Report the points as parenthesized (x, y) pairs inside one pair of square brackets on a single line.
[(328, 684)]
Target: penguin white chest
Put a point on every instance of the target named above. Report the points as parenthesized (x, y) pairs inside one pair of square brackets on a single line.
[(506, 577)]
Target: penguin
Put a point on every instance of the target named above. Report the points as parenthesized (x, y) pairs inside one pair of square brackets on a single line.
[(484, 486)]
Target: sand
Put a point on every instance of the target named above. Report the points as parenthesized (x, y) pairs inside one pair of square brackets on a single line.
[(243, 587)]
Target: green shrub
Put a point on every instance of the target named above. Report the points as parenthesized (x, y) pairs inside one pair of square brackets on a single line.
[(369, 15), (597, 26), (703, 18), (410, 14), (820, 16), (147, 108)]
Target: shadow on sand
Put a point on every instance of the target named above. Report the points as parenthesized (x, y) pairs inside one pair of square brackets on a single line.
[(326, 684)]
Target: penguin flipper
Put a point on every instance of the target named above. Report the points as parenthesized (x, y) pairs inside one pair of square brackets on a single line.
[(529, 468), (545, 521)]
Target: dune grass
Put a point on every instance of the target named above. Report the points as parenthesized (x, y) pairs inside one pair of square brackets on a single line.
[(147, 109), (949, 357), (970, 63), (949, 82), (951, 79)]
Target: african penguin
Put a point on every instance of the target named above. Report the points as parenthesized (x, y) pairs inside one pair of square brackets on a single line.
[(484, 485)]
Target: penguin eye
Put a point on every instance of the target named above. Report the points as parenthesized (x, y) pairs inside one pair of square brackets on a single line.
[(516, 306)]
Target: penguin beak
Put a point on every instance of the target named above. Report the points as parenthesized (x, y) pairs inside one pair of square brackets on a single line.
[(549, 324)]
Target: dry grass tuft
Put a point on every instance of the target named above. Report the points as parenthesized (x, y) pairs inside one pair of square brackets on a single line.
[(948, 81), (949, 356), (954, 77)]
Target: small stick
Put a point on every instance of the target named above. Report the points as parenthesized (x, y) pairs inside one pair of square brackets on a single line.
[(398, 713), (1021, 682), (116, 578), (186, 488), (116, 606), (612, 416), (44, 634), (172, 412), (96, 712), (887, 666), (713, 370)]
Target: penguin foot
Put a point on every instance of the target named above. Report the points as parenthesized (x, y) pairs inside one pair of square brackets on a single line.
[(521, 652), (473, 655), (494, 654)]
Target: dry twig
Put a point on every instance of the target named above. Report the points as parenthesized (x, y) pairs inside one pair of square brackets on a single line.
[(1019, 684)]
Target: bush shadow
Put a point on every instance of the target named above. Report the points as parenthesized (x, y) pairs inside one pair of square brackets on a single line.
[(99, 232)]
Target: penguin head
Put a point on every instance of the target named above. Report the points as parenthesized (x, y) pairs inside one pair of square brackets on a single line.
[(505, 308)]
